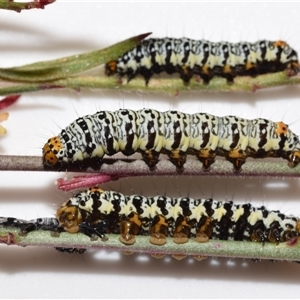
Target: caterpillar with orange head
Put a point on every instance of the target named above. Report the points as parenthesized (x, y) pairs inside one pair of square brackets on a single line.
[(95, 212), (206, 59), (174, 133)]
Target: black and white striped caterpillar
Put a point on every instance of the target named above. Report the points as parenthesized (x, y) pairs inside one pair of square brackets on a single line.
[(206, 59), (27, 226), (96, 212), (174, 133)]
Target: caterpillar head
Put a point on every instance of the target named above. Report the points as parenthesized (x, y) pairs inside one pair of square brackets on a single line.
[(69, 218), (111, 68), (289, 57), (50, 151)]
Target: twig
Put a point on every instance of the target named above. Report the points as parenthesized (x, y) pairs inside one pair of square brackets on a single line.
[(118, 168), (284, 251), (171, 85), (19, 6)]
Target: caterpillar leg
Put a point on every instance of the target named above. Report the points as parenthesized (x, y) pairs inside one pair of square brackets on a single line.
[(158, 230), (178, 158), (237, 157), (26, 228), (229, 74), (147, 74), (240, 232), (225, 224), (294, 159), (273, 234), (205, 230), (129, 228), (257, 232), (186, 73), (151, 158), (130, 74), (182, 231), (144, 72), (207, 157), (93, 231), (293, 68), (205, 72)]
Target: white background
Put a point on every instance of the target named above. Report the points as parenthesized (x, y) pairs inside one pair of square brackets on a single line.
[(67, 28)]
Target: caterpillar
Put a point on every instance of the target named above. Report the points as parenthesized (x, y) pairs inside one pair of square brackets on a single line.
[(27, 226), (96, 212), (50, 224), (206, 59), (173, 133)]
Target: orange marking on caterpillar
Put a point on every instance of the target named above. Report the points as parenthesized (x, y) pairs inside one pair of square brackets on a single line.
[(280, 44), (282, 128)]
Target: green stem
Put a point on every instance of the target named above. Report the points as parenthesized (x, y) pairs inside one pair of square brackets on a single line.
[(215, 248), (166, 85)]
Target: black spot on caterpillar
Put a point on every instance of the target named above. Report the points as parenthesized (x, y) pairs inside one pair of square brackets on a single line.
[(182, 218), (206, 59), (173, 133)]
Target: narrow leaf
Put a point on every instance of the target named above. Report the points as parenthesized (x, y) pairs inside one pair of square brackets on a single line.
[(68, 66)]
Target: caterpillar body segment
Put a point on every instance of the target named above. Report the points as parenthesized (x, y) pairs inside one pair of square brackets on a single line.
[(206, 59), (181, 218), (173, 133), (27, 226)]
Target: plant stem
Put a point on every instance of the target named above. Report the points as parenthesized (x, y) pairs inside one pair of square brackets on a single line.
[(166, 85), (232, 249), (130, 167)]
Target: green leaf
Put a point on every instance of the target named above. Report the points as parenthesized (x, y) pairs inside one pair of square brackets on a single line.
[(68, 66)]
